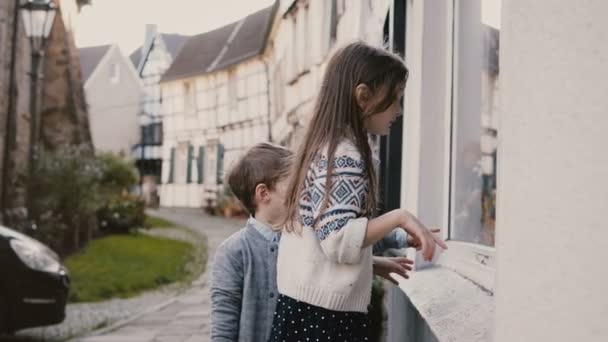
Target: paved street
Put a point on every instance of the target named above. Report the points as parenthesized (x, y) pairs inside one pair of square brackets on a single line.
[(186, 317)]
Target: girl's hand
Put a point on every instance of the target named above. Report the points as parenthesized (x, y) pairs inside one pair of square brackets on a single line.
[(384, 266), (421, 237), (414, 242)]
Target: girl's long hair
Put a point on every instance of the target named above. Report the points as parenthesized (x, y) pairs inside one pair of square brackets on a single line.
[(337, 116)]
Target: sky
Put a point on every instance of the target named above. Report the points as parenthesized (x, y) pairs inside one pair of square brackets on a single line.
[(123, 22)]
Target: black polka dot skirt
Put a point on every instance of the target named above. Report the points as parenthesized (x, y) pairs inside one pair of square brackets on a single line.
[(296, 321)]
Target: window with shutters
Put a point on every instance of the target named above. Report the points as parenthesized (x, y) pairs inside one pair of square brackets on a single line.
[(171, 165), (189, 164), (220, 164), (201, 164)]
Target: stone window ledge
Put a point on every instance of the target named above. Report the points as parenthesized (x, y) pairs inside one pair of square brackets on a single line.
[(456, 308)]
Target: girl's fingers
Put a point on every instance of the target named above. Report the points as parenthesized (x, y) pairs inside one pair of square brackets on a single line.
[(402, 272), (427, 252), (440, 242), (402, 260), (407, 267)]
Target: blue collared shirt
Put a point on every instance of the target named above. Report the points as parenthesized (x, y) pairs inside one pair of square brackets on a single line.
[(266, 231)]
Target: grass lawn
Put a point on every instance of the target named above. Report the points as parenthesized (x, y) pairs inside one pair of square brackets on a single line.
[(124, 265), (157, 222)]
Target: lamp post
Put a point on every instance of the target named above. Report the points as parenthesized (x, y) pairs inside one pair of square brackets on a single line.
[(38, 17)]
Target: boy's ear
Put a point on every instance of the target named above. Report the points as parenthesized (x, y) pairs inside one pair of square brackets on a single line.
[(363, 96), (262, 193)]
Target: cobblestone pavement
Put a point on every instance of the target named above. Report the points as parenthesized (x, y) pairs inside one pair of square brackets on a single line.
[(121, 319)]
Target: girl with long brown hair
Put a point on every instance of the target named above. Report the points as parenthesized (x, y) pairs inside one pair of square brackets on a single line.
[(324, 265)]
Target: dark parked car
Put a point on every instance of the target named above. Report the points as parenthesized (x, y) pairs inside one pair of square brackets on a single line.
[(34, 284)]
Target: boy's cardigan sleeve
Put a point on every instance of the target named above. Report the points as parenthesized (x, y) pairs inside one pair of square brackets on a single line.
[(226, 292), (397, 239)]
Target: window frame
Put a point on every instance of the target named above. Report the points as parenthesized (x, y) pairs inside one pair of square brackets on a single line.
[(473, 261)]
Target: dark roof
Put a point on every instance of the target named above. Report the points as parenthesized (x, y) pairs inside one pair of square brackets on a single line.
[(223, 47), (90, 58), (174, 43)]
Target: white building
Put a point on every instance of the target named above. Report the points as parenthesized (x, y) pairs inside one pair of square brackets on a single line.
[(215, 106), (303, 37), (151, 61), (113, 92)]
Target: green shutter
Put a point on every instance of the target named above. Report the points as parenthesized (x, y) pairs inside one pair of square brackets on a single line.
[(220, 163), (189, 169), (171, 165), (201, 164)]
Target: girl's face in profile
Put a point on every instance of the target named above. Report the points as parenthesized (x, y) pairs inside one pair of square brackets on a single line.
[(380, 123)]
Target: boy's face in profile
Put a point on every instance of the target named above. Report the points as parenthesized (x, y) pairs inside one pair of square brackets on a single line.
[(274, 208)]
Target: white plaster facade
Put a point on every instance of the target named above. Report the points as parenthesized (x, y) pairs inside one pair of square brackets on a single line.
[(552, 190), (304, 35), (217, 117), (113, 92)]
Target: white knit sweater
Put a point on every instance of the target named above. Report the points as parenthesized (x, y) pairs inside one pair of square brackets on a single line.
[(326, 265)]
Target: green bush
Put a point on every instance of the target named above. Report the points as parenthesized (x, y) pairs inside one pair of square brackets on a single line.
[(118, 174), (72, 189), (121, 211), (66, 196), (376, 310), (121, 214)]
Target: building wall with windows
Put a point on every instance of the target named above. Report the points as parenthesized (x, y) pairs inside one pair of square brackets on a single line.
[(151, 61), (215, 106), (209, 122), (303, 38)]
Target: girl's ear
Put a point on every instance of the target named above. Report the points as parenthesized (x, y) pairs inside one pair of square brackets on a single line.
[(262, 193), (363, 96)]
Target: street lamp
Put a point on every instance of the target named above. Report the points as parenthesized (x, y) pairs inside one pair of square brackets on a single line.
[(38, 17)]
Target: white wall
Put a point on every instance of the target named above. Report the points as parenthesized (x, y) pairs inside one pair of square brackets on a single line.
[(114, 106), (230, 108), (553, 192), (301, 48)]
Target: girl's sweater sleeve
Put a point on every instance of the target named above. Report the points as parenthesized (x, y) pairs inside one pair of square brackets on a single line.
[(341, 227)]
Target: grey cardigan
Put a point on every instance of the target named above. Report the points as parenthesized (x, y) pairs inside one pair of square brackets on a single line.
[(244, 285)]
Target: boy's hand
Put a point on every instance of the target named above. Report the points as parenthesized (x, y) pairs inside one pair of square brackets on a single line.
[(383, 266)]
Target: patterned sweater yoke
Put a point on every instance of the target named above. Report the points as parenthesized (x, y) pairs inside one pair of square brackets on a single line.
[(327, 265)]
